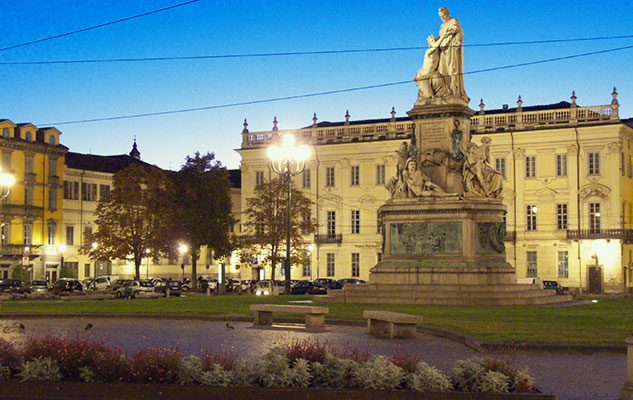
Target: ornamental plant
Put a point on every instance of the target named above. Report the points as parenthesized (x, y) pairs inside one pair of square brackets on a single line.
[(40, 369), (155, 365), (9, 355)]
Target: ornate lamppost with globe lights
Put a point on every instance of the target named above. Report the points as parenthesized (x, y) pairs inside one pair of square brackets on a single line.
[(288, 159)]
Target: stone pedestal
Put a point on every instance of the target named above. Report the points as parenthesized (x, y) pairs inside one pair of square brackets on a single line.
[(627, 391), (434, 126)]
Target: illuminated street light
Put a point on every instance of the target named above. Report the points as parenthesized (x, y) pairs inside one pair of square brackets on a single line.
[(288, 159), (7, 180), (61, 248), (147, 253), (94, 245), (182, 249)]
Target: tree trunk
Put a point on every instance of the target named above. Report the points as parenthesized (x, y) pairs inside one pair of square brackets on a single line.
[(137, 268), (194, 267)]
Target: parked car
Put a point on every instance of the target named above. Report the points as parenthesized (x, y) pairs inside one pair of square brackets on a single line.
[(330, 283), (553, 285), (67, 285), (117, 284), (38, 287), (266, 288), (308, 287), (175, 288), (351, 281), (11, 285), (212, 284), (101, 283), (129, 288)]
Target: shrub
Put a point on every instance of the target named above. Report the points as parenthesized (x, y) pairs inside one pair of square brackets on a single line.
[(155, 365), (466, 373), (274, 371), (9, 355), (40, 369), (244, 374), (111, 366), (86, 374), (523, 382), (311, 350), (226, 359), (429, 379), (378, 373), (493, 381), (352, 353), (407, 361), (190, 370), (216, 375), (333, 372), (5, 372)]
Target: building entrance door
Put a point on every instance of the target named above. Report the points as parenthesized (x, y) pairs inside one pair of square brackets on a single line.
[(51, 275), (595, 280)]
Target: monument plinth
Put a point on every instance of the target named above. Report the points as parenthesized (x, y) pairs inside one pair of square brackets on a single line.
[(443, 226)]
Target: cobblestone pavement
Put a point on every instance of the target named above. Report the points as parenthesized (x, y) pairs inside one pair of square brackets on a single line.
[(570, 376)]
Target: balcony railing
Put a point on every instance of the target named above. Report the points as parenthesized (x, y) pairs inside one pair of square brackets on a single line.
[(18, 250), (623, 234), (20, 210), (321, 239)]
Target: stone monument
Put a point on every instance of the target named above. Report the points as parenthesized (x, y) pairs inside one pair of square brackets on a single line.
[(443, 226)]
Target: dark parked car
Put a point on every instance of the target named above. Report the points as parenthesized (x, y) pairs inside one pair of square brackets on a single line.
[(175, 288), (11, 286), (351, 281), (67, 285), (308, 287), (553, 285), (330, 283)]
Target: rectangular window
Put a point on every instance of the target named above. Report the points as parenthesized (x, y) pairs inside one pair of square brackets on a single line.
[(71, 190), (305, 178), (331, 266), (70, 235), (5, 232), (355, 264), (88, 191), (305, 222), (622, 163), (532, 265), (563, 264), (104, 192), (52, 200), (355, 221), (530, 211), (331, 223), (28, 233), (86, 270), (52, 167), (380, 174), (259, 178), (329, 177), (52, 228), (355, 175), (500, 165), (28, 196), (530, 166), (594, 217), (6, 161), (306, 270), (28, 165), (593, 166), (561, 164), (561, 216)]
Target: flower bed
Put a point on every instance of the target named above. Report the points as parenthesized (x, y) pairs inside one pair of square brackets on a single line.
[(300, 369)]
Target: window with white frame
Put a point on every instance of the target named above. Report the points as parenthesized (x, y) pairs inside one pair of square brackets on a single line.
[(305, 178), (6, 161), (28, 164), (593, 163), (530, 166), (27, 233), (306, 270), (355, 221), (28, 195), (380, 174), (561, 216), (104, 192), (532, 264), (355, 175), (331, 223), (52, 200), (88, 191), (329, 176), (594, 217), (330, 264), (563, 264), (305, 223), (561, 164), (259, 178), (52, 230), (71, 190), (500, 166), (355, 264), (5, 133), (530, 212), (70, 235)]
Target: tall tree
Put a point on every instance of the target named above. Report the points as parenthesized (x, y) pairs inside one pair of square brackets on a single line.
[(266, 225), (203, 202), (139, 215)]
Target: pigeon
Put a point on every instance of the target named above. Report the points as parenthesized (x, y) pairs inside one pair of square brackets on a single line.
[(88, 327), (229, 326), (22, 327)]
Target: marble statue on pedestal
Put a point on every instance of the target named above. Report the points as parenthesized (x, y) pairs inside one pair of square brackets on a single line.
[(481, 179)]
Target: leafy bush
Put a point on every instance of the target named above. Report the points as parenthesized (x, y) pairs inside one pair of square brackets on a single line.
[(407, 361), (9, 355), (40, 369), (523, 382), (19, 272), (86, 374), (429, 379), (5, 372), (274, 371), (333, 372), (226, 359), (312, 350), (490, 375), (378, 373), (190, 370), (155, 365), (244, 374), (466, 373), (493, 381)]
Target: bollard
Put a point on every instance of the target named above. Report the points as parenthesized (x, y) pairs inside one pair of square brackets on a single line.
[(627, 391), (167, 292), (208, 290)]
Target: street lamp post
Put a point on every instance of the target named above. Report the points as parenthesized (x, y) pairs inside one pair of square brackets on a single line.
[(147, 253), (61, 249), (288, 159), (182, 249)]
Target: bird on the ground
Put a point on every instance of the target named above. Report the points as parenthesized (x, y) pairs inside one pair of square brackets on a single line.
[(22, 327), (88, 327), (229, 326)]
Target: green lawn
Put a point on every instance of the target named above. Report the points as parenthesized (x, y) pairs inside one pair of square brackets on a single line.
[(609, 321)]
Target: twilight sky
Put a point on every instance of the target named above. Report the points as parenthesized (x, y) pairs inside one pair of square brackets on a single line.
[(44, 94)]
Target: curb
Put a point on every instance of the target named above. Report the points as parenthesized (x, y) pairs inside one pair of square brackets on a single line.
[(461, 338)]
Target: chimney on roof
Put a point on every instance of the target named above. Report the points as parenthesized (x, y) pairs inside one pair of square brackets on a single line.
[(135, 153), (504, 107)]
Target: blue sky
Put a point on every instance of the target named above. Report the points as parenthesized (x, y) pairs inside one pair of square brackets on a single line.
[(45, 94)]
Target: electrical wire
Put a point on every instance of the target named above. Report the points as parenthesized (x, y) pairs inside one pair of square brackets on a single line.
[(89, 28), (329, 92), (296, 53)]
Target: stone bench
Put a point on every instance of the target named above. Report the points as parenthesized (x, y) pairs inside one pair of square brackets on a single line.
[(393, 324), (315, 316)]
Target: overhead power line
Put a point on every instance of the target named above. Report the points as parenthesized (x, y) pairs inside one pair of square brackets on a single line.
[(89, 28), (295, 53), (330, 92)]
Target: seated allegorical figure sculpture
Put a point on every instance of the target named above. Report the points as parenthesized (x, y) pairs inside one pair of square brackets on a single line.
[(481, 179), (413, 184)]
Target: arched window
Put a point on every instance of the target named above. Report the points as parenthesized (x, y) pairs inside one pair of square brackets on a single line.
[(5, 133), (27, 136), (51, 139)]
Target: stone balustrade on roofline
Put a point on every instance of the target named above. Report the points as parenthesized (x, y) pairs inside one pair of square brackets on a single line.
[(559, 115)]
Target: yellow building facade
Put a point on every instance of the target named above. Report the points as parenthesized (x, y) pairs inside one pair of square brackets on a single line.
[(32, 213), (568, 189)]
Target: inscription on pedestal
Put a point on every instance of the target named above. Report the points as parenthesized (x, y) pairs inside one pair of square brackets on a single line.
[(432, 135), (426, 238)]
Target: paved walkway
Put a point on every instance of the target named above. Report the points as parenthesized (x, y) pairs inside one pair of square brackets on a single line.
[(569, 376)]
